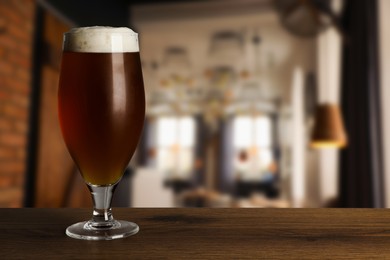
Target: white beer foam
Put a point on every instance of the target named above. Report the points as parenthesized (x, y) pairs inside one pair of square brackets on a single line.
[(101, 39)]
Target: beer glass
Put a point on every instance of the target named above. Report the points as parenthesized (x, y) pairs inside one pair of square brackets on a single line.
[(101, 104)]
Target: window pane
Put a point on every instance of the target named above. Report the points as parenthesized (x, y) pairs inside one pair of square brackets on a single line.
[(242, 132), (175, 141), (166, 131), (185, 161), (265, 158), (165, 160), (186, 132), (263, 136)]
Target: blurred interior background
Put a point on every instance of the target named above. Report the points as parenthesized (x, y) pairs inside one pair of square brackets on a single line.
[(250, 103)]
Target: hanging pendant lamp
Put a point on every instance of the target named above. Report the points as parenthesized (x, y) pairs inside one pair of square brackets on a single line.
[(328, 131)]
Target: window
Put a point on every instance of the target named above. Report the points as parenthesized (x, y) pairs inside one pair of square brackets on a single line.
[(253, 147), (175, 146)]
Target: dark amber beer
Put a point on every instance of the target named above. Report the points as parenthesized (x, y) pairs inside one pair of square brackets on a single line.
[(101, 106), (101, 111)]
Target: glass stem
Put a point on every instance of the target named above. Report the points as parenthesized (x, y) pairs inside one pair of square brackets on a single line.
[(102, 213)]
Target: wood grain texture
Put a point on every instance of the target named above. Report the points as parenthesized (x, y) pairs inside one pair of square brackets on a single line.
[(204, 234)]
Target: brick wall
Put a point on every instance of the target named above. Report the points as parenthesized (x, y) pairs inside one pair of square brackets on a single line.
[(16, 35)]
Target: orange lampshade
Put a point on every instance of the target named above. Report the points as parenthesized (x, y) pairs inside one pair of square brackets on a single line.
[(328, 131)]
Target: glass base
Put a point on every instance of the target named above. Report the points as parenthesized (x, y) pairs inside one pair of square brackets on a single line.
[(87, 231)]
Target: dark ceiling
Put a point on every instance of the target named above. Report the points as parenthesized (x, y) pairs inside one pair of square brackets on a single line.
[(100, 12)]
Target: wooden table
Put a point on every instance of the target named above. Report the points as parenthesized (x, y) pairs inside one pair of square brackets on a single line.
[(203, 234)]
